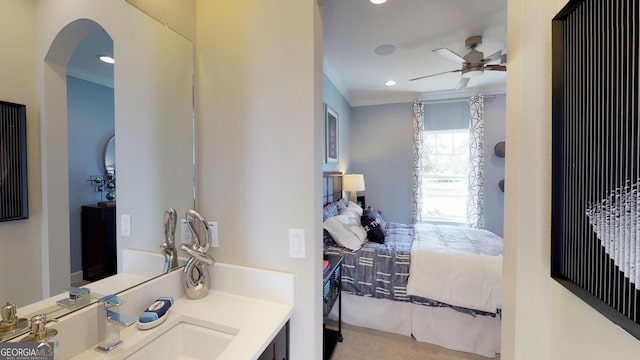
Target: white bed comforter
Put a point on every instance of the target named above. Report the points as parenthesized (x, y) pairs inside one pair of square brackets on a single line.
[(457, 265)]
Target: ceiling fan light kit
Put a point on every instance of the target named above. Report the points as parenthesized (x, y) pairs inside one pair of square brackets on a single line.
[(473, 63)]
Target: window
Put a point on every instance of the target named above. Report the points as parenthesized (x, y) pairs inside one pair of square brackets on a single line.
[(444, 182)]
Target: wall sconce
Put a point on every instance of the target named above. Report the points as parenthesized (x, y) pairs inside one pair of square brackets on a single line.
[(353, 183)]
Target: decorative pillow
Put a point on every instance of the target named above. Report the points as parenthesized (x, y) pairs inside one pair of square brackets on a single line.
[(342, 203), (374, 225), (355, 207), (346, 231), (354, 221), (329, 210)]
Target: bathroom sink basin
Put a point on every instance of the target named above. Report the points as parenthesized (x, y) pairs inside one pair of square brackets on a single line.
[(185, 340)]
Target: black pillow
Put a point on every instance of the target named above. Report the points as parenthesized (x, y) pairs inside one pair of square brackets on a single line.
[(373, 225)]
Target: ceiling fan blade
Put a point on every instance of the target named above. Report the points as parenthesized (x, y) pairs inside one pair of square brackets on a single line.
[(440, 73), (462, 83), (493, 57), (495, 67), (449, 55)]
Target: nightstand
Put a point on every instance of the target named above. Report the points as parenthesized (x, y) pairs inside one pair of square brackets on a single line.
[(99, 256), (332, 292)]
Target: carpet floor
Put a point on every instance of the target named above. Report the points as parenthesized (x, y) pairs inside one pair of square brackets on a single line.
[(367, 344)]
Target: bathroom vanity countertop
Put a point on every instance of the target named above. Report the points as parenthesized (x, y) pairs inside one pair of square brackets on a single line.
[(256, 321)]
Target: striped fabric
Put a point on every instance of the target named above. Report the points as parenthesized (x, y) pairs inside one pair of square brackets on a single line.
[(382, 270)]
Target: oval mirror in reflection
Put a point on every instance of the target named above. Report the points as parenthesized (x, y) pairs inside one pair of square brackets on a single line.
[(110, 156)]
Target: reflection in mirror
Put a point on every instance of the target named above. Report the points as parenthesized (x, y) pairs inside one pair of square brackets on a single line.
[(153, 121), (110, 155), (110, 169)]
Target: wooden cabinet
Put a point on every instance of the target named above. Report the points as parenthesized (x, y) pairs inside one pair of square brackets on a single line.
[(332, 292), (278, 349), (99, 258)]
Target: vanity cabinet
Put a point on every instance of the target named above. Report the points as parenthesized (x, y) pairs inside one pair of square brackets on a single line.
[(278, 349), (98, 242)]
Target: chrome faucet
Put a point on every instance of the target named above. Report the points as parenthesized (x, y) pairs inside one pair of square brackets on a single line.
[(169, 246), (195, 275), (110, 321)]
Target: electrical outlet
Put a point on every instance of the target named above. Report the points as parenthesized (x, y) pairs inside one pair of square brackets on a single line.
[(185, 232), (213, 230)]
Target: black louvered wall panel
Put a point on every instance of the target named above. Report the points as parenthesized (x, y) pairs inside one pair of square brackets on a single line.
[(13, 162), (596, 172)]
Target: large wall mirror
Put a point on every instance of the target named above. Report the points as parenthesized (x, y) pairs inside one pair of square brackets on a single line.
[(153, 122)]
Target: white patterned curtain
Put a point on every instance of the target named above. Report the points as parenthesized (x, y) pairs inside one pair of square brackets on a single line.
[(418, 150), (475, 193)]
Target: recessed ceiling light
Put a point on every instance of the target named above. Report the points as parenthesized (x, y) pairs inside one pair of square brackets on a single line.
[(390, 83), (378, 2), (385, 49), (106, 58)]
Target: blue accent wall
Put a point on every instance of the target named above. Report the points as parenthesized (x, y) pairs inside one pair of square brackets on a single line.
[(90, 124), (377, 141), (333, 98)]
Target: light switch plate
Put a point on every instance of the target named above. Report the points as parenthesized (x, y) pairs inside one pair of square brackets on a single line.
[(125, 225), (185, 233), (296, 243), (213, 230)]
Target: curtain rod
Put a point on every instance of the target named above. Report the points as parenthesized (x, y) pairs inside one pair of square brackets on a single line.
[(443, 101)]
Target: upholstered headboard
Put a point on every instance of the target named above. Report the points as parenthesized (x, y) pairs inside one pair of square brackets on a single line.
[(331, 187)]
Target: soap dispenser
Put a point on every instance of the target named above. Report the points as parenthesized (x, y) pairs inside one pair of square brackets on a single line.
[(41, 334)]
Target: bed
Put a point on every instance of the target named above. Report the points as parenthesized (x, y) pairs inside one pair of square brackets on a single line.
[(440, 284)]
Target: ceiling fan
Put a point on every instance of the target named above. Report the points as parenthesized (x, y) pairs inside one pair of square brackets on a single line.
[(473, 64)]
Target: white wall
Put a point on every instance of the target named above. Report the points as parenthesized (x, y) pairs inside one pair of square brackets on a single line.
[(20, 240), (541, 320), (179, 15), (259, 119)]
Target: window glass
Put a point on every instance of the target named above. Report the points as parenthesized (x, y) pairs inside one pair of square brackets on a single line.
[(444, 185)]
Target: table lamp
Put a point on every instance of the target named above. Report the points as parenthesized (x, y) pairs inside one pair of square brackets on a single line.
[(353, 183)]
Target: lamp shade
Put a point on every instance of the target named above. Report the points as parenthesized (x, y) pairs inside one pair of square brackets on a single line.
[(353, 182)]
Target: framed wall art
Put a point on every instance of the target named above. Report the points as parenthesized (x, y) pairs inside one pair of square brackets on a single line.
[(13, 162), (331, 128), (595, 217)]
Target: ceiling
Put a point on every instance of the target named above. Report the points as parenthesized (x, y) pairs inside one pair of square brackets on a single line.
[(352, 31), (354, 28), (84, 63)]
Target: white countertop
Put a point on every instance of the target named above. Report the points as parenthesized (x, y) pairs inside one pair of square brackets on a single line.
[(254, 304), (257, 322)]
